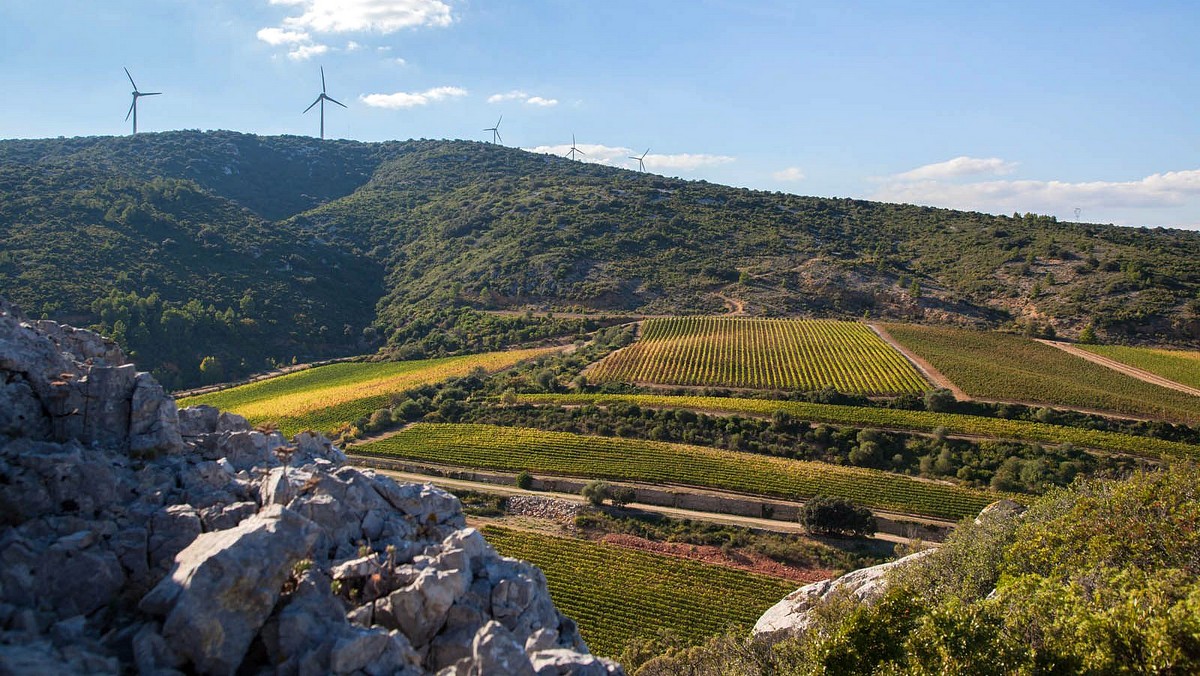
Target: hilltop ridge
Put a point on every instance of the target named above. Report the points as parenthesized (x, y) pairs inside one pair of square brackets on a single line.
[(266, 249)]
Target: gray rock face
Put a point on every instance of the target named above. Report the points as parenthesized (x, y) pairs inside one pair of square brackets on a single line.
[(791, 616), (136, 536)]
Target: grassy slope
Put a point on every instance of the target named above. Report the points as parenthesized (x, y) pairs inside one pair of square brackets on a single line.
[(516, 449), (326, 397), (1009, 367), (619, 594), (1182, 366)]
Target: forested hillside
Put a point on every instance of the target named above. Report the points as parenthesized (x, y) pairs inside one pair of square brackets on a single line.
[(252, 249)]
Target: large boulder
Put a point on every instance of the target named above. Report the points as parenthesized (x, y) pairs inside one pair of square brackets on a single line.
[(225, 585)]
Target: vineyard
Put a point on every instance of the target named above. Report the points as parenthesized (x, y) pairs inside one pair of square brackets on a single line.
[(1008, 367), (515, 449), (1182, 366), (325, 397), (923, 421), (617, 594), (777, 354)]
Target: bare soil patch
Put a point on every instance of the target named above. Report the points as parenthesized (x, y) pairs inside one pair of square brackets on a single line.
[(736, 558)]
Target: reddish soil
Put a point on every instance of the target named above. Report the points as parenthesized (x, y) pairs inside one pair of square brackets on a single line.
[(749, 561)]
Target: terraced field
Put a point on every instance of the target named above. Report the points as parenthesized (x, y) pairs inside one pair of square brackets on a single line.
[(923, 421), (1008, 367), (618, 594), (1182, 366), (779, 354), (514, 449), (325, 397)]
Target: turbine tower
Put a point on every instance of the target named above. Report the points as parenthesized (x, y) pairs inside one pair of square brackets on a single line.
[(321, 99), (641, 164), (136, 96), (496, 131), (573, 150)]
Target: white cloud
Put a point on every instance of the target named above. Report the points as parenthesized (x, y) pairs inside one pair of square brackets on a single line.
[(400, 62), (510, 96), (617, 156), (958, 167), (518, 95), (412, 99), (789, 174), (278, 36), (381, 16), (1169, 189), (353, 46), (305, 52)]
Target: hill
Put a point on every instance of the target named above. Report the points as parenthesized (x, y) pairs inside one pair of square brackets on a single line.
[(272, 248)]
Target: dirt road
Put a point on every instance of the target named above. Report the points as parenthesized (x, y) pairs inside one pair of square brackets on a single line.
[(709, 517), (1120, 367), (931, 374)]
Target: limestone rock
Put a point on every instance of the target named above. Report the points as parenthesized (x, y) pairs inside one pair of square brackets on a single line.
[(225, 584), (791, 615)]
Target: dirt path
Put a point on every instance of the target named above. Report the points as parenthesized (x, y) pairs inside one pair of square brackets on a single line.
[(736, 307), (673, 512), (931, 374), (1120, 367)]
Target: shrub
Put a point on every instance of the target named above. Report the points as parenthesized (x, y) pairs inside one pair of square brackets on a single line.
[(525, 480), (623, 495)]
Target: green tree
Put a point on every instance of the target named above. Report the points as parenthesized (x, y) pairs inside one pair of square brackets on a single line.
[(836, 516)]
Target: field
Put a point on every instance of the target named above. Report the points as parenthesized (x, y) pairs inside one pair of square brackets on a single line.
[(1182, 366), (1007, 367), (778, 354), (514, 449), (923, 421), (618, 594), (326, 397)]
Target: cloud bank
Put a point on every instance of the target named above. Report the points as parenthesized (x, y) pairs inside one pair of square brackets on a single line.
[(412, 99), (932, 185), (518, 95), (790, 174)]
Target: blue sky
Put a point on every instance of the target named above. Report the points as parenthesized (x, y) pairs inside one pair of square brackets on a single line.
[(1000, 107)]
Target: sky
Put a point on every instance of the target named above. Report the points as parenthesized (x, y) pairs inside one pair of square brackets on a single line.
[(1002, 107)]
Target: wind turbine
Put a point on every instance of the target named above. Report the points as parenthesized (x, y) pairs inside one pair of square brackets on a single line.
[(573, 150), (136, 96), (321, 99), (641, 164), (496, 131)]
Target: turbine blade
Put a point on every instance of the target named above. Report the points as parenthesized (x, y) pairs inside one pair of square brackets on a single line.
[(332, 100), (499, 121), (645, 153), (580, 151), (310, 107), (130, 79), (322, 79), (149, 93), (131, 109), (499, 137)]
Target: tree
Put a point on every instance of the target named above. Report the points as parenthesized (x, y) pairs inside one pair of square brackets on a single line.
[(623, 495), (1088, 335), (836, 516), (211, 370), (596, 492), (525, 480), (940, 400)]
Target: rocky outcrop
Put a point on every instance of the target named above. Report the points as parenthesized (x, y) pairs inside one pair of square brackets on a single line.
[(792, 615), (138, 537)]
